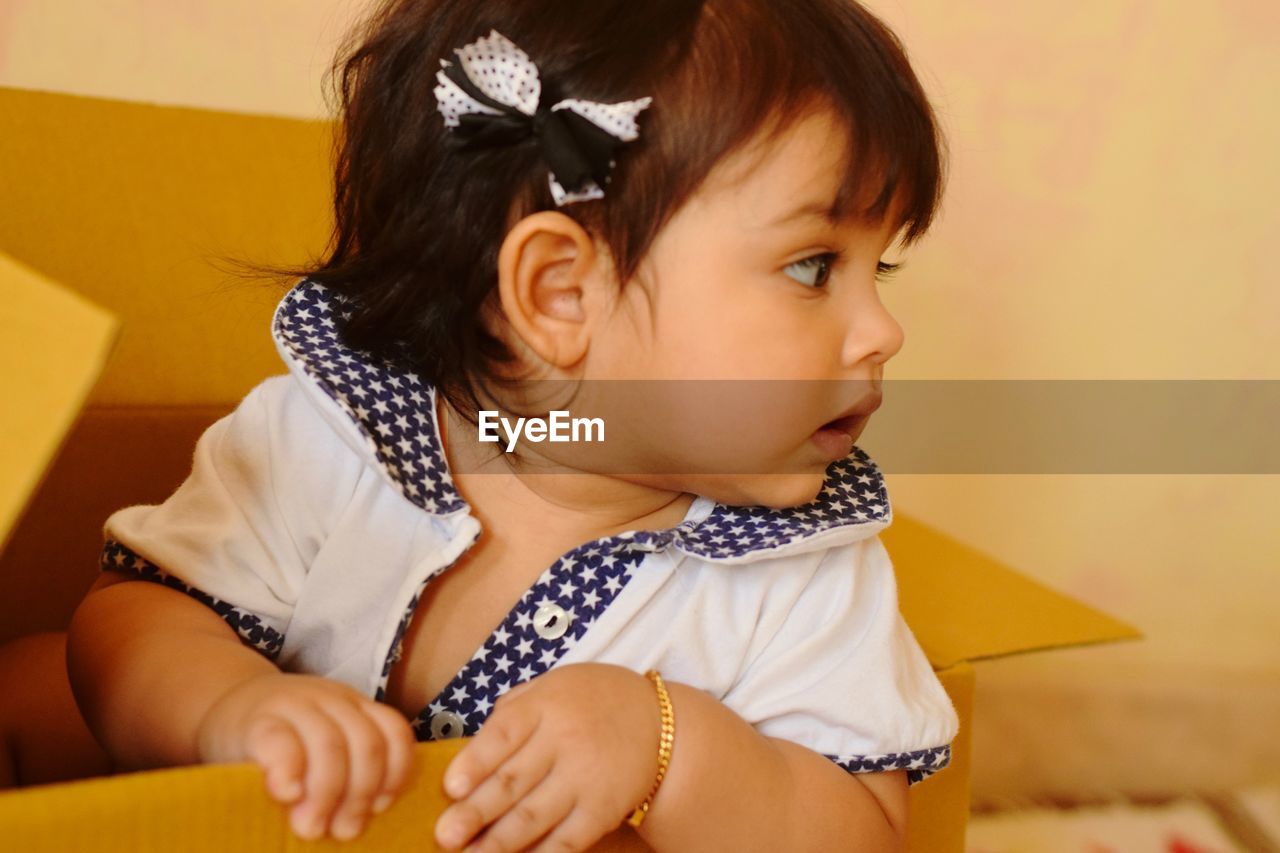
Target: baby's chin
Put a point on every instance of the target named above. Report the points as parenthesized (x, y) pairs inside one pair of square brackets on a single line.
[(776, 491)]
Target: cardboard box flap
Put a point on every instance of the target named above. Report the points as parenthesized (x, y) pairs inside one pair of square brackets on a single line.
[(149, 211), (207, 809), (963, 605), (54, 346)]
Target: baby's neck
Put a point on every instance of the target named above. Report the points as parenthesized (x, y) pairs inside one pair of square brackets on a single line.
[(578, 505)]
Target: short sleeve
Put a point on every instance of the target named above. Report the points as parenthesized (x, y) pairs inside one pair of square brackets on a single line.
[(844, 676), (267, 482)]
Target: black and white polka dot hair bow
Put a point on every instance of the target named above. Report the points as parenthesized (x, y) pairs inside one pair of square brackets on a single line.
[(491, 97)]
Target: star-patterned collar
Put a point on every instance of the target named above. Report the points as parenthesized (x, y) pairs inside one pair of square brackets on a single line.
[(394, 412)]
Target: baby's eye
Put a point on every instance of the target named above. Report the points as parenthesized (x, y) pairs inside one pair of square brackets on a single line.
[(884, 271), (816, 270)]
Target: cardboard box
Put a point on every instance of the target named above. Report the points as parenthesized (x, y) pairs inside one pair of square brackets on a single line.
[(107, 198)]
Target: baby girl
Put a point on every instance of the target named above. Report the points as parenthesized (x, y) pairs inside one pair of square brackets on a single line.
[(678, 632)]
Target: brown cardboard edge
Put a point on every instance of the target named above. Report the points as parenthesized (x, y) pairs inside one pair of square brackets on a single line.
[(938, 806), (1049, 647), (97, 353)]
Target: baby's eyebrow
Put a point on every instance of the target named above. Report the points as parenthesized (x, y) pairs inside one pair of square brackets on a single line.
[(818, 209)]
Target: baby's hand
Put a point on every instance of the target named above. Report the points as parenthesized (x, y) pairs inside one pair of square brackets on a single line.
[(562, 761), (334, 753)]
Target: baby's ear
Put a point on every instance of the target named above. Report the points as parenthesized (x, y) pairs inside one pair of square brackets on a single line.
[(551, 274)]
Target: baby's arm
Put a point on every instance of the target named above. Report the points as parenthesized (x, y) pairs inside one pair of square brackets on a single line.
[(162, 680), (841, 684), (564, 758), (730, 788), (146, 663)]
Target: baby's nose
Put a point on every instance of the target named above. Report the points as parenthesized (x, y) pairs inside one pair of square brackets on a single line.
[(872, 335)]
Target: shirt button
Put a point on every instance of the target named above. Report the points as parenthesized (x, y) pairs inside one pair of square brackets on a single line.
[(551, 621), (445, 725)]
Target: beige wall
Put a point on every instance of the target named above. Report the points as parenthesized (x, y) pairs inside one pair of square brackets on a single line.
[(256, 56), (1111, 215), (1111, 200)]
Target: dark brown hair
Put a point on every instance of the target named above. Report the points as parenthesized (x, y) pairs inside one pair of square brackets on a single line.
[(419, 225)]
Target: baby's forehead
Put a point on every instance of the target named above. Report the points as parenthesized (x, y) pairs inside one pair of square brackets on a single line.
[(791, 175), (806, 150)]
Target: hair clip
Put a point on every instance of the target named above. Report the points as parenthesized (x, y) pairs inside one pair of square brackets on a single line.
[(491, 97)]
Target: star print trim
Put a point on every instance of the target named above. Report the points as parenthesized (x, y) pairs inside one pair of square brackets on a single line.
[(250, 628), (919, 764), (550, 619)]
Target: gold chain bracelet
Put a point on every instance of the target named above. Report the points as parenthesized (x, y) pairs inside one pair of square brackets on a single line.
[(665, 741)]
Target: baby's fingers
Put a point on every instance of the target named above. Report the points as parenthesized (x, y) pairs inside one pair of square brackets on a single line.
[(366, 767), (326, 771), (275, 746), (500, 737), (400, 745), (494, 797)]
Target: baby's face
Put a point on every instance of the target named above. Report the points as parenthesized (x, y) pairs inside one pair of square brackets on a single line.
[(735, 288)]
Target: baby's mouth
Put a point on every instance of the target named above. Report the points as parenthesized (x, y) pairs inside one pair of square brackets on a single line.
[(837, 436), (855, 417), (847, 425)]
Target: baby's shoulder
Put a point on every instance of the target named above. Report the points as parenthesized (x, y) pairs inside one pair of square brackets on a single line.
[(280, 414), (280, 437)]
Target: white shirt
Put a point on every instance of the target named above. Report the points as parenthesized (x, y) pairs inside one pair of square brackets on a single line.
[(316, 513)]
